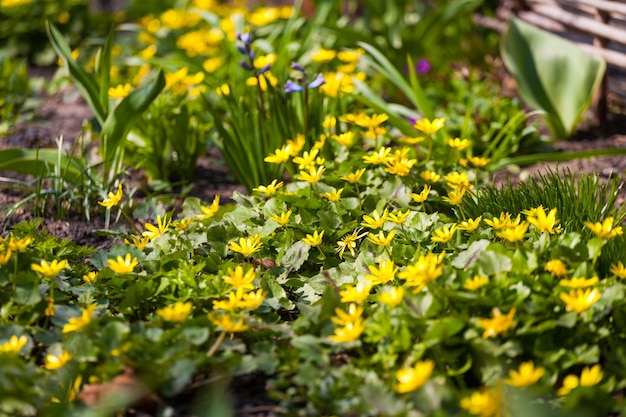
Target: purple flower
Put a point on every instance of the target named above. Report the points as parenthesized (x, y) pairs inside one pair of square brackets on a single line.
[(317, 81), (244, 37), (291, 87), (265, 69), (245, 65), (422, 66), (296, 66)]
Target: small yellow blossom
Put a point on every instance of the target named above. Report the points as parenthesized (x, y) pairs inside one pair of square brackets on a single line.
[(282, 219), (459, 144), (380, 239), (124, 265), (208, 212), (279, 156), (349, 242), (588, 378), (525, 376), (410, 379), (579, 300), (345, 139), (348, 333), (353, 177), (513, 234), (294, 146), (50, 308), (246, 246), (51, 269), (183, 224), (53, 362), (429, 127), (350, 56), (399, 165), (606, 229), (375, 221), (315, 239), (307, 160), (430, 176), (313, 176), (454, 197), (412, 140), (545, 223), (356, 293), (212, 64), (422, 196), (478, 161), (270, 189), (5, 256), (120, 91), (444, 234), (475, 283), (385, 272), (113, 198), (91, 277), (556, 267), (333, 196), (484, 403), (427, 268), (226, 323), (391, 296), (78, 323), (399, 217), (457, 180), (470, 225), (324, 55), (152, 232), (378, 157), (503, 222), (176, 313), (499, 323), (569, 383), (579, 282), (616, 269), (138, 242), (14, 345), (238, 279)]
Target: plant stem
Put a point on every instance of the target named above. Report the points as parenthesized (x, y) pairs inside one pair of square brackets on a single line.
[(217, 343)]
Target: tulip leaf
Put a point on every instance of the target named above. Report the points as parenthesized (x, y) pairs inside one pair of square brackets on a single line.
[(552, 74)]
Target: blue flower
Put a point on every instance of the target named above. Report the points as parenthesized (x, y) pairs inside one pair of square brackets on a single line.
[(291, 87), (318, 81)]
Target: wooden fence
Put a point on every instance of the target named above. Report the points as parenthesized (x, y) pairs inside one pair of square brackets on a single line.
[(597, 26)]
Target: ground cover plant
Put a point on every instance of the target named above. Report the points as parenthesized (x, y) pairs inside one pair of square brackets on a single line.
[(369, 271)]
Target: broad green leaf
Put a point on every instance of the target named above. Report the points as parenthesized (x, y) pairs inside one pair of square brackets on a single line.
[(442, 329), (468, 257), (552, 74), (296, 255), (40, 163)]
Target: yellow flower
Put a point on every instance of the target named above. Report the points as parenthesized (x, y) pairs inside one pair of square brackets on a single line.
[(429, 127), (457, 180), (279, 156), (176, 313), (385, 272), (183, 224), (333, 196), (294, 146), (430, 176), (356, 293), (124, 265), (410, 379), (113, 198), (348, 242), (313, 176), (50, 309), (238, 279), (50, 270), (503, 222), (14, 345), (315, 239), (546, 224), (14, 3), (246, 246), (427, 268), (411, 141), (226, 323), (478, 161), (262, 61), (78, 323), (375, 221), (399, 217), (152, 232), (475, 283), (353, 177), (525, 376), (422, 196), (399, 165), (391, 296), (324, 55), (341, 317), (513, 234), (91, 277), (208, 212), (498, 323), (212, 64), (556, 268), (470, 224), (5, 256), (345, 139), (579, 282), (455, 197), (485, 403), (269, 189), (120, 91), (378, 157), (616, 269), (283, 219), (253, 299), (588, 378), (307, 160), (53, 362), (380, 239), (348, 333), (444, 234), (459, 144), (605, 229), (138, 242), (580, 300), (350, 56)]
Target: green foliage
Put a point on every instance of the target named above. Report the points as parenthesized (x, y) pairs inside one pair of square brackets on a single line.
[(14, 89), (552, 74)]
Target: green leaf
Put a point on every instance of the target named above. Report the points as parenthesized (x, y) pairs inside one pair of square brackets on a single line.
[(468, 257), (40, 163), (445, 328), (296, 255), (552, 74)]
